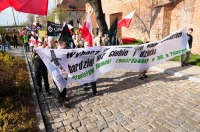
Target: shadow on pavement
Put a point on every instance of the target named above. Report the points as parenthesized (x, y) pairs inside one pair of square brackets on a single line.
[(127, 81)]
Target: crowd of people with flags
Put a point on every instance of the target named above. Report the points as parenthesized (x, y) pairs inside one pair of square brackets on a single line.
[(67, 38)]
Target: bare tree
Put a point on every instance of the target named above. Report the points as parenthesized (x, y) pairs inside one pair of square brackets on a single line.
[(43, 19), (144, 19), (51, 16), (31, 18), (26, 23), (61, 13), (97, 7)]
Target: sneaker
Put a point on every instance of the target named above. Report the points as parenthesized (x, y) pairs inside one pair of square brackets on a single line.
[(182, 65), (145, 76), (186, 64), (141, 78)]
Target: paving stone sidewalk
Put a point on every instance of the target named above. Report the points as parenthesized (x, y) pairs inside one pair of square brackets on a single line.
[(159, 103)]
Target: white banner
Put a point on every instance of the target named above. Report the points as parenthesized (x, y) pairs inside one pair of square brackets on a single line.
[(85, 65)]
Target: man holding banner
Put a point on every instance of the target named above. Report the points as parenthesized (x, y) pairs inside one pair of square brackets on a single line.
[(190, 39), (85, 65)]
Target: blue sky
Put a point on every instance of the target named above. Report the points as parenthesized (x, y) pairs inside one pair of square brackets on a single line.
[(6, 16)]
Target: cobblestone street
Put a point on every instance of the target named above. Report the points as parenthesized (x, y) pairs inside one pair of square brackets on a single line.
[(159, 103)]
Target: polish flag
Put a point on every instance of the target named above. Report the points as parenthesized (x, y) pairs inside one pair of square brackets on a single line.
[(70, 27), (87, 32), (126, 20), (32, 41)]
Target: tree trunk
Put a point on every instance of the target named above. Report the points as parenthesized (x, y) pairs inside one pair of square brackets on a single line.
[(97, 7)]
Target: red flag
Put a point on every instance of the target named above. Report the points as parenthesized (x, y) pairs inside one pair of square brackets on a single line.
[(4, 4), (87, 31), (39, 7), (126, 20)]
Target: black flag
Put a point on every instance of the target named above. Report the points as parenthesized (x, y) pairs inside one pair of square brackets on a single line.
[(53, 29), (67, 37), (113, 32)]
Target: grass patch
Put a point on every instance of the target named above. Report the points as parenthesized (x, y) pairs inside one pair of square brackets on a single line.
[(17, 111), (194, 59)]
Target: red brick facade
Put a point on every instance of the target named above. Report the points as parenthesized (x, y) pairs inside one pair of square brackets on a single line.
[(155, 19)]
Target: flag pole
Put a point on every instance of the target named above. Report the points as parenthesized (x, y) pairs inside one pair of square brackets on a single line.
[(45, 28), (14, 19)]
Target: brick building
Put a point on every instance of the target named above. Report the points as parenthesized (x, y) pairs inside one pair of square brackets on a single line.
[(154, 19), (75, 10)]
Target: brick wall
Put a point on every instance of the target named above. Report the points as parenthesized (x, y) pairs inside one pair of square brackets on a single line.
[(196, 26), (156, 20)]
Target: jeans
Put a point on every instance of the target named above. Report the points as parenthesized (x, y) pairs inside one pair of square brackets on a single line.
[(94, 87), (8, 44), (61, 95), (38, 77), (26, 46), (15, 44), (3, 47), (186, 59)]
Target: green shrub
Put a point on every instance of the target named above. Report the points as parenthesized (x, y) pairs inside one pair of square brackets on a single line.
[(16, 110)]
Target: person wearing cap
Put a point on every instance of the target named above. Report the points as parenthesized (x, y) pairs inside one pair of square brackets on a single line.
[(40, 71)]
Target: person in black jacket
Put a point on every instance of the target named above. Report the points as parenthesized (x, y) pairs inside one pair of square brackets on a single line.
[(40, 72), (190, 39), (15, 43)]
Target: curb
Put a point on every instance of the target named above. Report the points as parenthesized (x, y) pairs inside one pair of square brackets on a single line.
[(176, 74), (38, 113)]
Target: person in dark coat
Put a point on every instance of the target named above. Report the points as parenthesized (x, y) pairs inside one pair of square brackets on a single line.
[(15, 43), (40, 72)]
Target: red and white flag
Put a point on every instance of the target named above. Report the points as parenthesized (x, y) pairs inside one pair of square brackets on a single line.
[(87, 32), (125, 22), (32, 41), (20, 32), (39, 7)]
